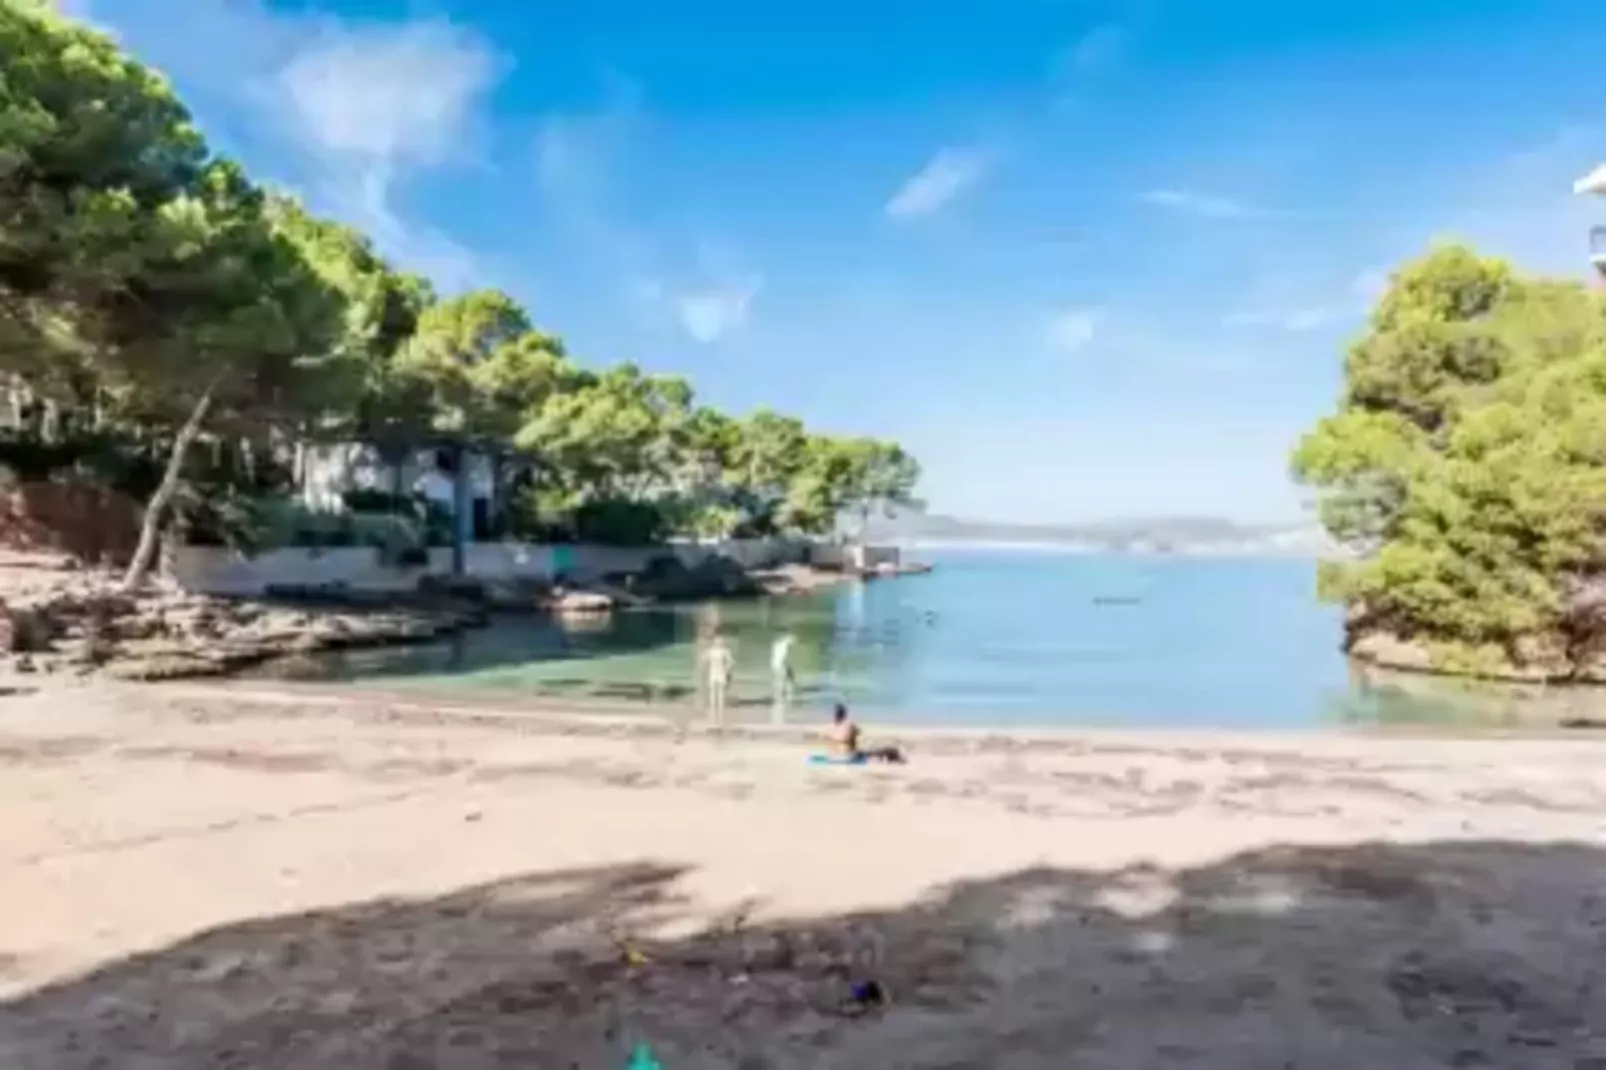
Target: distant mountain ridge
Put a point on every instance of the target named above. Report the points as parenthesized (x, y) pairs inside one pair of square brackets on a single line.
[(1174, 534)]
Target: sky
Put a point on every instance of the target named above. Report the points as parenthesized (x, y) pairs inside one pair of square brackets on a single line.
[(1084, 259)]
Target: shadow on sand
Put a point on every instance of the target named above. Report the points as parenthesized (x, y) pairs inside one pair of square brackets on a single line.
[(1466, 954)]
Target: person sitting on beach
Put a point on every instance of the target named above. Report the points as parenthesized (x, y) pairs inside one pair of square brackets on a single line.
[(844, 739)]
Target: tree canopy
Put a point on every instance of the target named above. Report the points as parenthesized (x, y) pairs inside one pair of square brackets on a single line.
[(1465, 467), (150, 290)]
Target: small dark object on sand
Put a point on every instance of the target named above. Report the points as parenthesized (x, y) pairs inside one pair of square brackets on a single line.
[(866, 996)]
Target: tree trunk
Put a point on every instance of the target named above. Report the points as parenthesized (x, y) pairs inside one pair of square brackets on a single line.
[(462, 513), (398, 478), (496, 510), (150, 529)]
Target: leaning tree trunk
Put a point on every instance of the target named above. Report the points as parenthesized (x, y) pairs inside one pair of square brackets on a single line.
[(150, 529)]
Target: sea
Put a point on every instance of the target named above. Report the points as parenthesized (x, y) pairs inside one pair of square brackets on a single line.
[(991, 637)]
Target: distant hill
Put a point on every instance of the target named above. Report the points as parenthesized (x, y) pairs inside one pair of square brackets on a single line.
[(1178, 534)]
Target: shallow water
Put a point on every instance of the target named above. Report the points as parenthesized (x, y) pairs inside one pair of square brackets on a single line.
[(1006, 638)]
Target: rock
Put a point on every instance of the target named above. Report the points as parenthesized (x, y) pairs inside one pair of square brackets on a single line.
[(765, 952), (580, 602), (76, 621), (1391, 652), (171, 665), (517, 595)]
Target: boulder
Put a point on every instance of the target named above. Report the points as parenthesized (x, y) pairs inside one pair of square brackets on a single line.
[(1390, 651), (79, 621), (580, 602), (519, 594)]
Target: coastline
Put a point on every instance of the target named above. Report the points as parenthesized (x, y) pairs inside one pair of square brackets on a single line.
[(58, 618), (570, 715)]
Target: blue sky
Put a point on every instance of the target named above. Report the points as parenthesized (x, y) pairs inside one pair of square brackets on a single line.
[(1085, 259)]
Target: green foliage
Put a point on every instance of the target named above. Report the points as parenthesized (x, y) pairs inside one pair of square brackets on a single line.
[(259, 524), (847, 476), (381, 312), (617, 434), (197, 328), (480, 367), (95, 153), (620, 522), (1466, 464)]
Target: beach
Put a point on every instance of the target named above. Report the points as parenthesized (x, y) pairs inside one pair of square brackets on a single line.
[(249, 877)]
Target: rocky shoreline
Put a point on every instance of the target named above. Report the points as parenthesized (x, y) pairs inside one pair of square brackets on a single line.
[(58, 618), (77, 623), (1542, 664)]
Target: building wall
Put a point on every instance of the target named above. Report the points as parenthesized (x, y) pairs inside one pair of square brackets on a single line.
[(215, 570)]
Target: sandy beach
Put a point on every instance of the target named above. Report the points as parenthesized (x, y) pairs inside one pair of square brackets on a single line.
[(211, 877)]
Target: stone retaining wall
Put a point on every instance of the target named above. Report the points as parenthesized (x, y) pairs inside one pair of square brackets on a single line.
[(215, 570)]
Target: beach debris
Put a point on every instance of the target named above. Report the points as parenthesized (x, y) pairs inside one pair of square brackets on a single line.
[(864, 997)]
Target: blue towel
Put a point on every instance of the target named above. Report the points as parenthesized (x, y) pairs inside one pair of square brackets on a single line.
[(837, 759)]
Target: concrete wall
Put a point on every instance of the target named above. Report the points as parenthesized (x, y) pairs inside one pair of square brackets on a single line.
[(214, 570), (853, 556)]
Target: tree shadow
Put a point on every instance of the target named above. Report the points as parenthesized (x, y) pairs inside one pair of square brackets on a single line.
[(1453, 954)]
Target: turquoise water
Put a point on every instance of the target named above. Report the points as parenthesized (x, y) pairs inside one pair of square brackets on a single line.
[(1006, 638)]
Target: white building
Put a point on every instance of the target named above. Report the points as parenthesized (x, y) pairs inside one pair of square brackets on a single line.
[(1595, 182), (324, 473), (329, 471)]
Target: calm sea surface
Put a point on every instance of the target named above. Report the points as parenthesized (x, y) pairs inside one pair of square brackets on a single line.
[(1005, 638)]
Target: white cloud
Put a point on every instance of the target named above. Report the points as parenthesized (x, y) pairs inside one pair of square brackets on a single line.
[(387, 95), (365, 108), (710, 309), (1072, 329), (712, 314), (948, 174), (374, 105), (1204, 205)]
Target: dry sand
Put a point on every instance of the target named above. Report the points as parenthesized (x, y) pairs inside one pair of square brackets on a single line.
[(237, 879)]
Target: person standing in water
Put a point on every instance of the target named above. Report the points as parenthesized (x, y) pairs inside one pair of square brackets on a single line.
[(719, 665), (783, 684)]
